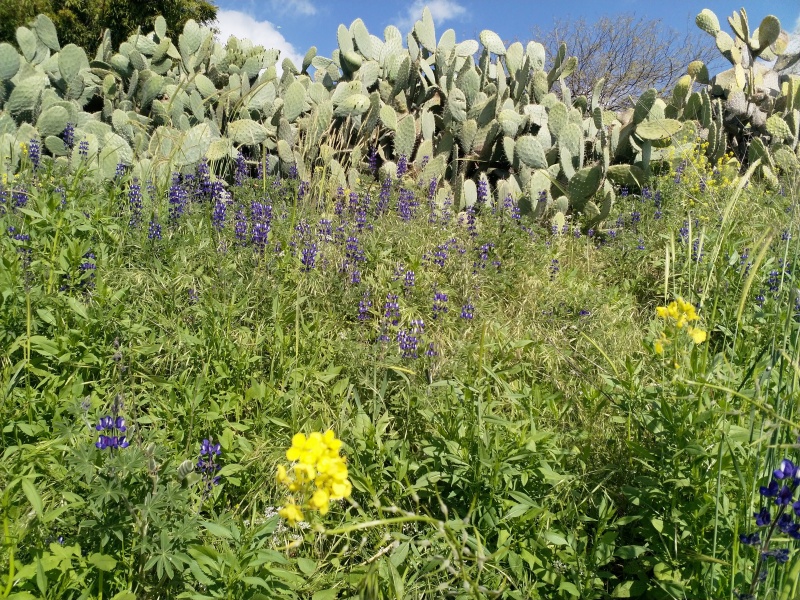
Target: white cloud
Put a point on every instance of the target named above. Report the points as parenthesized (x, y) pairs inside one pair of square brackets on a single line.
[(261, 33), (300, 7), (441, 11)]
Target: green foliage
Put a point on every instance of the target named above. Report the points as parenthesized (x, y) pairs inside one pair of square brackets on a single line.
[(544, 449), (81, 22)]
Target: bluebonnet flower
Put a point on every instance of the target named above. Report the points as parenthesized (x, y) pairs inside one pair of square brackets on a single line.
[(483, 191), (467, 311), (353, 202), (135, 204), (263, 167), (472, 227), (762, 517), (88, 264), (781, 555), (542, 197), (220, 207), (241, 169), (111, 440), (61, 192), (406, 204), (261, 215), (372, 160), (363, 307), (402, 165), (193, 296), (354, 254), (34, 153), (83, 149), (447, 214), (697, 251), (177, 199), (623, 191), (355, 277), (203, 175), (439, 304), (679, 171), (440, 254), (68, 135), (121, 170), (752, 539), (19, 197), (784, 496), (308, 256), (684, 232), (784, 523), (409, 280), (293, 174), (408, 344), (207, 464), (154, 231), (431, 351), (554, 268), (240, 227), (432, 188), (391, 309), (640, 246), (383, 199)]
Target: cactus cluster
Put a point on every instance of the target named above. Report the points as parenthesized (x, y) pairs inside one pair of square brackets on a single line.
[(460, 112), (750, 108)]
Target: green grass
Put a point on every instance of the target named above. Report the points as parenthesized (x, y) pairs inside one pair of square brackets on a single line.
[(545, 451)]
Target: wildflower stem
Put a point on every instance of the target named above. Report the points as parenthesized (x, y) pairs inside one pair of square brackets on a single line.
[(379, 522), (11, 547)]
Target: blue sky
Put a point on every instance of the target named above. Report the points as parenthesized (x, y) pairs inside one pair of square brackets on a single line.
[(295, 25)]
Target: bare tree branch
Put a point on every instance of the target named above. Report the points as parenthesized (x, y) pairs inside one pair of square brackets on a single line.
[(631, 52)]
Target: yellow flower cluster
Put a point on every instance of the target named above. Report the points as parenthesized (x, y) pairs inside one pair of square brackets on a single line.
[(318, 474), (697, 174), (680, 314)]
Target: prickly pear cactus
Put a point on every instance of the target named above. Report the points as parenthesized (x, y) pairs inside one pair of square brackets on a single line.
[(752, 100)]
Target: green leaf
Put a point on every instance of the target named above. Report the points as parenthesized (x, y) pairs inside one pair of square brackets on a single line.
[(307, 566), (218, 530), (556, 539), (329, 594), (104, 562), (32, 494), (658, 524), (629, 589), (629, 552), (569, 588), (126, 595), (78, 308)]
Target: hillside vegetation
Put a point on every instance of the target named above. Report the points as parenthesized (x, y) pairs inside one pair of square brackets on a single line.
[(399, 323)]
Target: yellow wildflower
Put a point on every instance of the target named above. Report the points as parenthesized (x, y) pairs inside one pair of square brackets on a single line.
[(318, 474), (698, 335), (292, 513)]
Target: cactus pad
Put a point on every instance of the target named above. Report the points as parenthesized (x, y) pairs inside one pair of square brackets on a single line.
[(530, 152), (708, 22), (658, 129), (9, 61)]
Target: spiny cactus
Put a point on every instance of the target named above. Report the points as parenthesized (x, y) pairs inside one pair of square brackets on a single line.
[(751, 100)]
